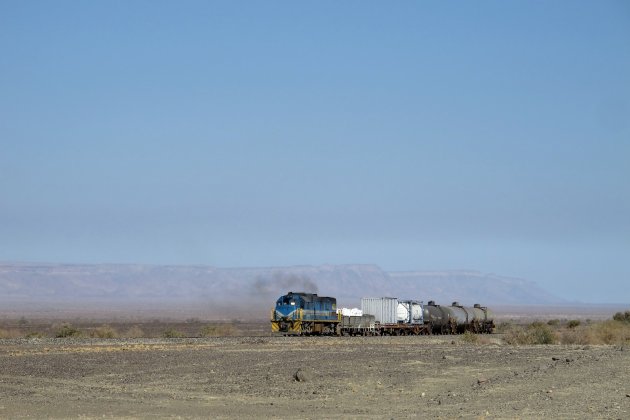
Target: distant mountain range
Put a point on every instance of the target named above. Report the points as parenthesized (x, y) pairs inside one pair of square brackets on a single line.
[(258, 287)]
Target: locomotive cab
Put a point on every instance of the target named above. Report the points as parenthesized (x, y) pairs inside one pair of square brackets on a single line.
[(287, 308)]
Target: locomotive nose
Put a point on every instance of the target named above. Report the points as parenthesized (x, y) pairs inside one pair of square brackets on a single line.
[(282, 316)]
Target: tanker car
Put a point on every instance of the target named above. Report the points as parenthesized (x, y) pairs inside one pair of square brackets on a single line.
[(307, 313), (456, 319)]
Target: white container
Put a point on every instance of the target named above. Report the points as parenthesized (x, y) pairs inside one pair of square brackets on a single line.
[(350, 311), (409, 312), (403, 312), (384, 309)]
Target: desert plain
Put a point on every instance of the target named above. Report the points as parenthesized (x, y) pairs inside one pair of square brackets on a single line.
[(264, 376)]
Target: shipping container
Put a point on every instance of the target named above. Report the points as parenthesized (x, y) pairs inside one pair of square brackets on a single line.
[(384, 309)]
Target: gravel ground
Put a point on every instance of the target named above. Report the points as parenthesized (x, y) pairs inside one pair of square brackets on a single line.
[(314, 377)]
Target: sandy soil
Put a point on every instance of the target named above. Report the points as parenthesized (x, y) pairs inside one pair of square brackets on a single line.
[(366, 377)]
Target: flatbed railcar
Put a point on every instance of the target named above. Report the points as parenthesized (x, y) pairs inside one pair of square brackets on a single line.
[(358, 325)]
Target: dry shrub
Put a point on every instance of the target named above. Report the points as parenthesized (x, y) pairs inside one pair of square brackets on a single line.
[(535, 333), (578, 335), (573, 323), (622, 316), (504, 327), (134, 332), (172, 333), (516, 335), (541, 334), (470, 337), (104, 331), (66, 331), (218, 330)]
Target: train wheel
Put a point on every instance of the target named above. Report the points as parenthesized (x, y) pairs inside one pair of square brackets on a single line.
[(307, 328)]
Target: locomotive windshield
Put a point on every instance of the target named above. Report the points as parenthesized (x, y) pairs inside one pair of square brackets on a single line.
[(285, 300)]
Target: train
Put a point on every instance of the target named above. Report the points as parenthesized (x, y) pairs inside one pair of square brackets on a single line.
[(299, 313)]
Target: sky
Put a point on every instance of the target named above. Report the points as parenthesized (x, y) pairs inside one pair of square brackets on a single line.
[(431, 135)]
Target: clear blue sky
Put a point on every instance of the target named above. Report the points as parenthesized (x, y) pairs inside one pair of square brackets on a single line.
[(485, 135)]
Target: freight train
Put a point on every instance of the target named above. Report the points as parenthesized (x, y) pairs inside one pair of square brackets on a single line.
[(309, 314)]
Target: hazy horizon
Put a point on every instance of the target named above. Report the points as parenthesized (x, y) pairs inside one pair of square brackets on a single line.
[(486, 136)]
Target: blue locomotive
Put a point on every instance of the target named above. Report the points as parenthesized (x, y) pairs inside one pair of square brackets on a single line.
[(305, 314)]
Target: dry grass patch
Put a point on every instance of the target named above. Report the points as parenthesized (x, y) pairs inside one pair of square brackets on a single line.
[(614, 331), (134, 332), (66, 331), (535, 333), (9, 333), (610, 332), (173, 333), (104, 331)]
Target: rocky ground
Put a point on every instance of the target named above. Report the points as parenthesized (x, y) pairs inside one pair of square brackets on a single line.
[(316, 377)]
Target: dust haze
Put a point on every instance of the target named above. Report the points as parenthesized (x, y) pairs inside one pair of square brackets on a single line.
[(280, 283)]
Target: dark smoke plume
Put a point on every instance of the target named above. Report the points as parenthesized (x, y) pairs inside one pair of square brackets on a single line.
[(281, 283)]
